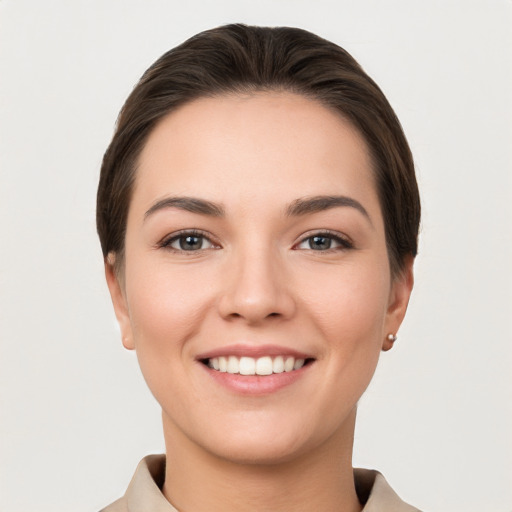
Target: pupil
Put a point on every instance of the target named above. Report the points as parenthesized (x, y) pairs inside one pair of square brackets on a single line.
[(320, 242), (190, 242)]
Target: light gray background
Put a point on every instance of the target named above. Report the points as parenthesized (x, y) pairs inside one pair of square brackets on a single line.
[(75, 413)]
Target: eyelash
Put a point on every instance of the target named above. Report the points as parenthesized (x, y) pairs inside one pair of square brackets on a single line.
[(166, 243), (344, 242)]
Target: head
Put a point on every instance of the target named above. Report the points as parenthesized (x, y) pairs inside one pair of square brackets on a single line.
[(258, 201), (242, 60)]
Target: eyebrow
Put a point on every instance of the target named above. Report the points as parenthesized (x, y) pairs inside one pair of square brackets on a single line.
[(189, 204), (316, 204), (298, 207)]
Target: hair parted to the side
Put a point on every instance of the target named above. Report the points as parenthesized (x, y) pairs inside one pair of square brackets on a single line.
[(245, 59)]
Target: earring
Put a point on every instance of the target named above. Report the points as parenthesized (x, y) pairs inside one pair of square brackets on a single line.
[(392, 337)]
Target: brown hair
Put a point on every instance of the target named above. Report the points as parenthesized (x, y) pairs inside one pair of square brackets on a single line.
[(244, 59)]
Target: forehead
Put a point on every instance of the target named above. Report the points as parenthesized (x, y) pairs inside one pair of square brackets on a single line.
[(276, 145)]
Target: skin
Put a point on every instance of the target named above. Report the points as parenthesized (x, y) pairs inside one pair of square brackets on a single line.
[(257, 280)]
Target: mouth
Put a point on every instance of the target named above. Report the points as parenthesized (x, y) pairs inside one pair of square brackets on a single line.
[(255, 370), (260, 366)]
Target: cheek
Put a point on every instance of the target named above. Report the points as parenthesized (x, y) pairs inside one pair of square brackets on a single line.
[(349, 304), (166, 307), (350, 313)]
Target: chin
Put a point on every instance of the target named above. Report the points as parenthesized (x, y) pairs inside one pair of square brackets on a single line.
[(258, 435), (269, 441), (258, 451)]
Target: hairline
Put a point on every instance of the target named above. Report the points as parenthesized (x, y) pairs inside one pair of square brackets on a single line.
[(396, 265)]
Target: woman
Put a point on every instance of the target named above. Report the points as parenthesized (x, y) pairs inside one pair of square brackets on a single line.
[(258, 214)]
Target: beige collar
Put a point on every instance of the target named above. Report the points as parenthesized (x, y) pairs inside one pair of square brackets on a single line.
[(144, 492)]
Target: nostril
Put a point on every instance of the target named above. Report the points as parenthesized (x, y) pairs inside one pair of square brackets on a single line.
[(255, 304)]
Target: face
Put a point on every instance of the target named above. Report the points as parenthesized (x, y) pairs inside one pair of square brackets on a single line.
[(256, 287)]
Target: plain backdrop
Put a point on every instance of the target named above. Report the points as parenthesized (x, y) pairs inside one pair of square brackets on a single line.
[(76, 415)]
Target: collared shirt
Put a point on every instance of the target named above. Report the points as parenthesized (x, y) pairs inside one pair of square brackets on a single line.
[(144, 494)]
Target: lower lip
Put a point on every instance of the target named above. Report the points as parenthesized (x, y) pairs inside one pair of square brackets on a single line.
[(256, 384)]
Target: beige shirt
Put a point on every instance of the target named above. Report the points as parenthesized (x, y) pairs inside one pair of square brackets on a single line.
[(144, 494)]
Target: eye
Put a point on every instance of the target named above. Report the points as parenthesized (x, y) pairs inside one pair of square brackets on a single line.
[(324, 242), (189, 241)]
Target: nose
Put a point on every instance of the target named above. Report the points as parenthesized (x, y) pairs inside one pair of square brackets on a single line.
[(256, 290)]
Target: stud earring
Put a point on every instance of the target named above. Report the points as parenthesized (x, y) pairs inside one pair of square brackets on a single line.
[(392, 338)]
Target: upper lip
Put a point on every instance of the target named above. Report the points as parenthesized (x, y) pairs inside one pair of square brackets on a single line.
[(255, 351)]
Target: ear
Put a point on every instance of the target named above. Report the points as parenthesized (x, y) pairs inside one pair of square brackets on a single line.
[(400, 292), (118, 296)]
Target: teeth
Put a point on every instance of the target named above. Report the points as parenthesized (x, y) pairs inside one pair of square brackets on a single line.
[(288, 364), (264, 366), (246, 366), (278, 364), (299, 363), (233, 366), (250, 366)]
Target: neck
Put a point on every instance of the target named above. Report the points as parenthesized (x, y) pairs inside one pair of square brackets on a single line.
[(320, 479)]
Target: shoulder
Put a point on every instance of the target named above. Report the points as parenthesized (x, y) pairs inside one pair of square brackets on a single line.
[(119, 505), (143, 492), (377, 495)]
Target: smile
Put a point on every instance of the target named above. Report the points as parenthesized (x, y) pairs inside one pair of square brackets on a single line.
[(255, 370), (265, 365)]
